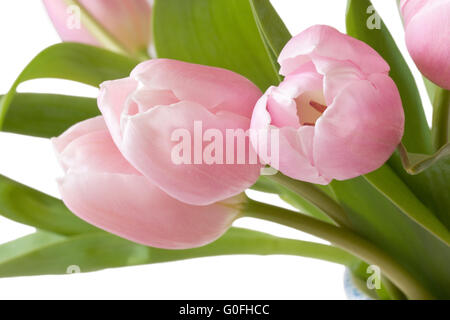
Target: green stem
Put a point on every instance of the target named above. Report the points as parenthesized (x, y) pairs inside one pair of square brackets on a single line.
[(441, 118), (392, 290), (345, 239), (100, 33), (387, 290), (300, 248), (315, 196), (431, 88)]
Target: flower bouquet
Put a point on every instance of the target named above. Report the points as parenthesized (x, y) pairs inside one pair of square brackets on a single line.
[(201, 100)]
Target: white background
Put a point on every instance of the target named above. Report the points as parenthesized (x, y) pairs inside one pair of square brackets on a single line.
[(25, 31)]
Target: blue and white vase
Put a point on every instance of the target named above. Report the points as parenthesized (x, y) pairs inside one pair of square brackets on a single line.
[(351, 290)]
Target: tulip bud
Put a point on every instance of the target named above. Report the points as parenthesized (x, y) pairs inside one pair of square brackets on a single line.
[(101, 187), (427, 29), (129, 22), (175, 123), (338, 113)]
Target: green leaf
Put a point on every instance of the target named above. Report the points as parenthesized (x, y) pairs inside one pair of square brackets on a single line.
[(31, 207), (220, 33), (431, 179), (430, 186), (27, 244), (43, 253), (393, 188), (428, 176), (379, 220), (270, 24), (47, 115), (72, 61), (415, 163), (417, 137)]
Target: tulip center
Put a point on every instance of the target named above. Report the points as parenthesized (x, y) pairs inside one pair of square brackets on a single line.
[(310, 106)]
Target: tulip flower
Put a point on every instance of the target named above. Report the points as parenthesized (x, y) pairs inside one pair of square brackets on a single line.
[(101, 187), (170, 117), (338, 113), (427, 28), (128, 22)]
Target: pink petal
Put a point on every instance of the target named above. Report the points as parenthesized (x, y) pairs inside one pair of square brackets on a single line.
[(294, 154), (214, 88), (337, 76), (61, 17), (78, 130), (360, 130), (113, 101), (103, 189), (92, 150), (261, 118), (144, 111), (133, 208), (148, 144), (428, 41), (128, 21), (147, 99), (305, 78), (411, 7), (281, 102), (282, 109), (325, 42)]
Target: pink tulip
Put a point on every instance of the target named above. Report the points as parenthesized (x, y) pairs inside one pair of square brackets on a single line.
[(427, 28), (338, 113), (161, 97), (128, 21), (101, 187)]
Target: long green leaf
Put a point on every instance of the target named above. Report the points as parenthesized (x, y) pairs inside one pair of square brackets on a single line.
[(393, 188), (47, 253), (27, 244), (428, 176), (221, 33), (44, 253), (272, 27), (31, 207), (432, 185), (379, 220), (417, 137), (47, 115), (71, 61), (346, 239)]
